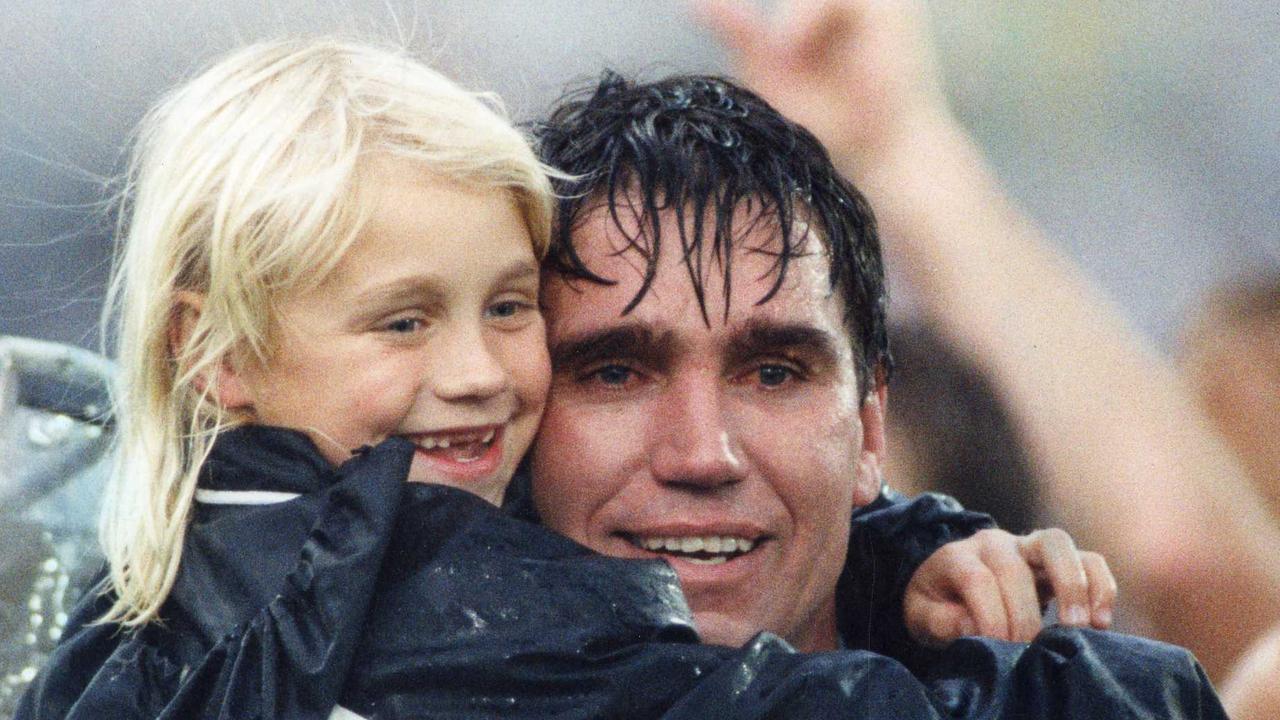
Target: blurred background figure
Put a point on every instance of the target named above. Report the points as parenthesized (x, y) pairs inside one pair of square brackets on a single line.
[(1230, 355), (950, 433)]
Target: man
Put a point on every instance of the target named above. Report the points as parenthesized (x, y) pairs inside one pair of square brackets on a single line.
[(715, 313)]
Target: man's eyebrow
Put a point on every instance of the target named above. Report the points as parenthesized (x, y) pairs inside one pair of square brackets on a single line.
[(761, 337), (634, 341)]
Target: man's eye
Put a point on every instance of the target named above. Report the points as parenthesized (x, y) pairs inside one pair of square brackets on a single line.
[(773, 375), (613, 374)]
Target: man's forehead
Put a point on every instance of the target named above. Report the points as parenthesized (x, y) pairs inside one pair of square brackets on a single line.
[(615, 244), (622, 246), (671, 301), (625, 223)]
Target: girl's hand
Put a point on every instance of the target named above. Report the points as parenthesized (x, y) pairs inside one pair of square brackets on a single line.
[(997, 584)]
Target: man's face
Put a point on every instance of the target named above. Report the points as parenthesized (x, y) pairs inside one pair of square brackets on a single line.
[(735, 451)]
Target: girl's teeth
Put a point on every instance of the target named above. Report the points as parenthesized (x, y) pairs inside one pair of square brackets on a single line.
[(431, 443)]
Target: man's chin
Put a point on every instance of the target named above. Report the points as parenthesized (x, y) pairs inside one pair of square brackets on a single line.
[(717, 628)]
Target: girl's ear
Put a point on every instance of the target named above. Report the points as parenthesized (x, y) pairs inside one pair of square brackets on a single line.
[(226, 384)]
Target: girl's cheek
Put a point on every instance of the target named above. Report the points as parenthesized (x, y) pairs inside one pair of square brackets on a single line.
[(383, 401)]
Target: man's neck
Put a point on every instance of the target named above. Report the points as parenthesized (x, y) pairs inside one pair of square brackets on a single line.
[(821, 633)]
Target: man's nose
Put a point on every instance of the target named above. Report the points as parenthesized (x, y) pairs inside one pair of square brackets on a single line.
[(466, 368), (694, 444)]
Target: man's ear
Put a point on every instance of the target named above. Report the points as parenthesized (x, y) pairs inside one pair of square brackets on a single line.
[(225, 383), (871, 457)]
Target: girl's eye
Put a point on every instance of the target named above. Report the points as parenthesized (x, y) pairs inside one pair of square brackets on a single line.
[(404, 325), (511, 314), (507, 308)]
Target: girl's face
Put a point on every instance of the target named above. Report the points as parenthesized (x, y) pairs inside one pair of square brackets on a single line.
[(429, 329)]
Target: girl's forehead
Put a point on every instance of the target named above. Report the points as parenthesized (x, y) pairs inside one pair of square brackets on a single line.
[(421, 230)]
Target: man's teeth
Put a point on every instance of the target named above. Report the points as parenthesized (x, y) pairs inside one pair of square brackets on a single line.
[(431, 443), (712, 549)]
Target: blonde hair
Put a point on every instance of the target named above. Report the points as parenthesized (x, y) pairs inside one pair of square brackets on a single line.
[(244, 184)]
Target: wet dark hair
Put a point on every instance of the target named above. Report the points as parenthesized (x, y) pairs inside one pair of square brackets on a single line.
[(702, 147)]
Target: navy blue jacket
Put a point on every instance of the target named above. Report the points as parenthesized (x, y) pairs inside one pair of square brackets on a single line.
[(401, 600)]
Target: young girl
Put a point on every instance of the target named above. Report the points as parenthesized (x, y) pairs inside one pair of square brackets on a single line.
[(331, 238), (329, 284), (323, 236)]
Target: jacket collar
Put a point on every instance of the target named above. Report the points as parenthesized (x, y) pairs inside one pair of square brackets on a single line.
[(261, 457)]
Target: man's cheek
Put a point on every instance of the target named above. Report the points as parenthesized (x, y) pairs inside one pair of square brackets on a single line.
[(562, 454), (838, 474)]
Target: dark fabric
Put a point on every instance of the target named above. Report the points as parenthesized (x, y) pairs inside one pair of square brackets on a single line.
[(402, 601), (888, 541)]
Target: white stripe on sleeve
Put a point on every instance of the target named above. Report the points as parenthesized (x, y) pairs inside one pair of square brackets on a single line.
[(243, 497)]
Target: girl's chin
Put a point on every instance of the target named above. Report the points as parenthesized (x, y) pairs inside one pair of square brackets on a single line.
[(487, 480)]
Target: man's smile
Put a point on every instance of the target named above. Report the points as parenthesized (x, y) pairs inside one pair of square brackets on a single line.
[(701, 549)]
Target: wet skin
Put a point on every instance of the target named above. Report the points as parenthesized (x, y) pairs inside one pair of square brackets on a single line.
[(662, 428)]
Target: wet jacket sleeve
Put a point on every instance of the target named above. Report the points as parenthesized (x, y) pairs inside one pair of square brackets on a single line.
[(1070, 673), (289, 660), (888, 541)]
